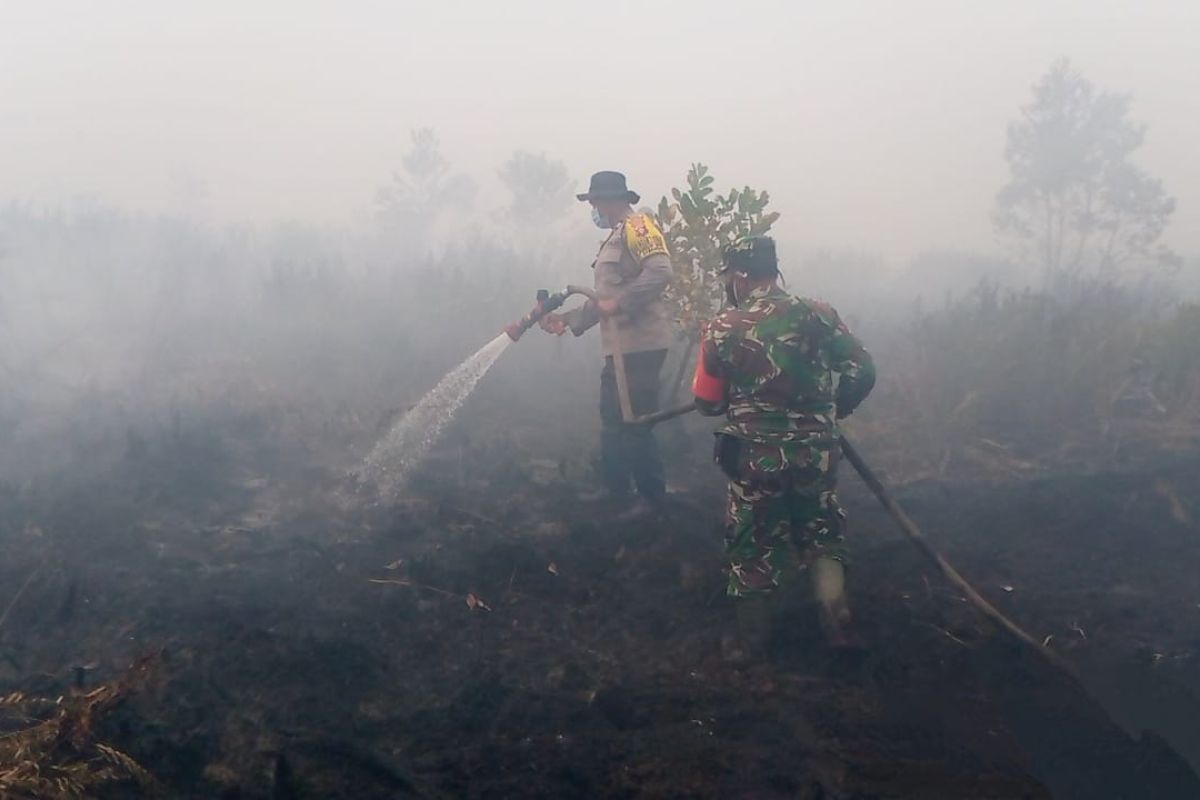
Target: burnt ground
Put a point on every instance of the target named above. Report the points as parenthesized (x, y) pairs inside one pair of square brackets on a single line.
[(488, 636)]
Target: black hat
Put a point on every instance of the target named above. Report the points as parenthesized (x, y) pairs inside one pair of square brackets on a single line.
[(609, 186), (753, 255)]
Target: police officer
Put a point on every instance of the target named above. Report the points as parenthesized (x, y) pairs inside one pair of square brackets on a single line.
[(768, 363), (631, 270)]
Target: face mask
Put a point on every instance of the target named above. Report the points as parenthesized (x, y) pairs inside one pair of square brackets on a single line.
[(598, 218)]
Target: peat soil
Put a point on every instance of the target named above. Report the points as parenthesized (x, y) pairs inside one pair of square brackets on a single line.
[(489, 636)]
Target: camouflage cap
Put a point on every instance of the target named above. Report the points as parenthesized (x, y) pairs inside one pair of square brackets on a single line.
[(754, 255)]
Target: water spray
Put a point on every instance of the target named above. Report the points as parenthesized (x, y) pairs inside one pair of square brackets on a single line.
[(409, 440), (546, 303)]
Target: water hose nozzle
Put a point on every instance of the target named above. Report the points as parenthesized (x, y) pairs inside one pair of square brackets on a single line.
[(546, 303)]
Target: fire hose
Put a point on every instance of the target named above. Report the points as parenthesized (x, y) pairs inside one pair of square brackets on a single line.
[(914, 535)]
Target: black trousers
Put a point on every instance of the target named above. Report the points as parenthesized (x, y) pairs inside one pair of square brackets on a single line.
[(628, 452)]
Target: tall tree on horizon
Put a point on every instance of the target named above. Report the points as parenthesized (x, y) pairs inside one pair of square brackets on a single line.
[(540, 187), (410, 206), (1075, 203)]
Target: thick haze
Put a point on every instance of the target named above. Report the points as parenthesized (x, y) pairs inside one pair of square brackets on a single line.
[(876, 126)]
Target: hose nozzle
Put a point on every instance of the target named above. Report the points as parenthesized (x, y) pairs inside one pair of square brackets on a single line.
[(515, 331), (546, 303)]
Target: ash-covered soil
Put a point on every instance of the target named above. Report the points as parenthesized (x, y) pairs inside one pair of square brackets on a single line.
[(489, 636)]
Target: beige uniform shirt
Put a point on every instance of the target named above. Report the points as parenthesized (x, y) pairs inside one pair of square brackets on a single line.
[(634, 268)]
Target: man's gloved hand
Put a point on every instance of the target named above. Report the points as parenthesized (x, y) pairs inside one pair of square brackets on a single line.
[(553, 323)]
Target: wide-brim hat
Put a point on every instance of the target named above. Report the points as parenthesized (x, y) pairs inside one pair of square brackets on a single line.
[(608, 185)]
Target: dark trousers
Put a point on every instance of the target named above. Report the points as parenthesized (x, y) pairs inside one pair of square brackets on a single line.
[(629, 451)]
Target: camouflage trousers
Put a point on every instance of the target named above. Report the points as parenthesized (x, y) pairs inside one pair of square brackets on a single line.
[(782, 511)]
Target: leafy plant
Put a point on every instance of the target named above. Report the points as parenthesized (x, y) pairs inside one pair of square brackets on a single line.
[(698, 223)]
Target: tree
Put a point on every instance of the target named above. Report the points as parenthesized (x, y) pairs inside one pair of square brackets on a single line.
[(1075, 203), (698, 226), (541, 189), (411, 205)]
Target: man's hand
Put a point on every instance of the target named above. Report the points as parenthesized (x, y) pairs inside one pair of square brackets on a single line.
[(553, 323), (608, 307)]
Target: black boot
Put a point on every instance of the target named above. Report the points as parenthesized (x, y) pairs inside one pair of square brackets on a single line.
[(754, 629)]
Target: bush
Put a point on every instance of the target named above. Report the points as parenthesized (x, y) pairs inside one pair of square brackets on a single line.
[(1013, 376)]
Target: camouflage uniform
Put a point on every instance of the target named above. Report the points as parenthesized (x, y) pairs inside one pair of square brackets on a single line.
[(777, 355)]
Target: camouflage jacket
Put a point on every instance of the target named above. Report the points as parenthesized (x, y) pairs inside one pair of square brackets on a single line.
[(777, 355)]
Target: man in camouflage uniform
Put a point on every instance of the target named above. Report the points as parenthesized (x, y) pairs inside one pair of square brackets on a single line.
[(768, 363), (631, 270)]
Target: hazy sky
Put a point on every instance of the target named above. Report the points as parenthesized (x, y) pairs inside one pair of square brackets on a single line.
[(876, 126)]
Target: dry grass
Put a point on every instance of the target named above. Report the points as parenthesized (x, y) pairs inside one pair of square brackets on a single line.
[(1004, 384), (49, 750)]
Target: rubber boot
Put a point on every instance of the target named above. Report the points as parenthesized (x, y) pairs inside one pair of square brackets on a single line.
[(829, 589), (754, 617)]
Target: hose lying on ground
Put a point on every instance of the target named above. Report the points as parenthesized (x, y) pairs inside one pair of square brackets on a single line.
[(915, 536), (948, 571)]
